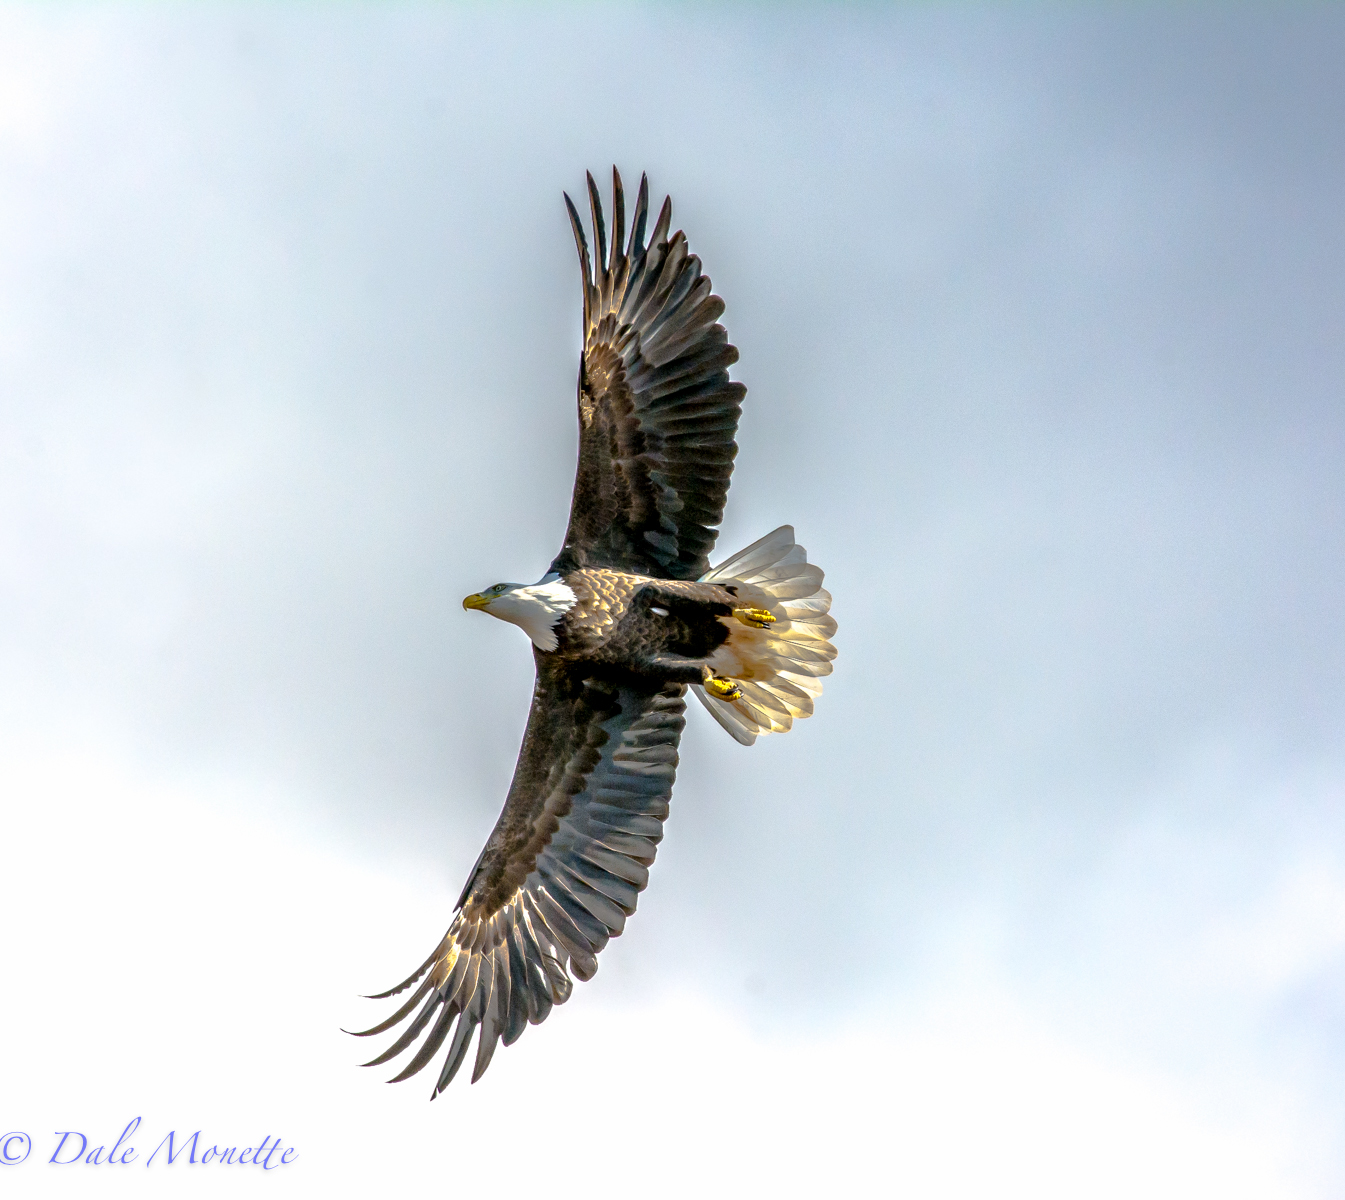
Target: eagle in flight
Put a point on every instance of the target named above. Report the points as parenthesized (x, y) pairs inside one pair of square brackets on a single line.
[(627, 617)]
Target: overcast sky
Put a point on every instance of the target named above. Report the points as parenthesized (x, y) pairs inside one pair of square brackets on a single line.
[(1041, 315)]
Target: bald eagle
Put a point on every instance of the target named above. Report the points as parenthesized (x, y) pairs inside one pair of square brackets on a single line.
[(627, 617)]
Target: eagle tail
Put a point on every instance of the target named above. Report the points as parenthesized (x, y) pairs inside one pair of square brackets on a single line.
[(779, 668)]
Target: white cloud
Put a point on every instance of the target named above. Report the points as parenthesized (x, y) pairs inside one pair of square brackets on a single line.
[(208, 952)]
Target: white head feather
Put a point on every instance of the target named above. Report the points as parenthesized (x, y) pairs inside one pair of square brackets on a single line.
[(535, 608)]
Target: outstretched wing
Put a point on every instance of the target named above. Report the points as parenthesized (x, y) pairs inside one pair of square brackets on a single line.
[(657, 411), (559, 874)]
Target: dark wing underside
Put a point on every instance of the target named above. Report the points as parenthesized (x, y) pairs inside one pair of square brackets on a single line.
[(559, 874), (657, 411)]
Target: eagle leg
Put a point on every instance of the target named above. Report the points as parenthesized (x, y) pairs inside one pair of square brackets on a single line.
[(677, 668), (717, 685), (755, 618)]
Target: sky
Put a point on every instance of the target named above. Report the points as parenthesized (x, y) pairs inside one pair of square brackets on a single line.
[(1040, 313)]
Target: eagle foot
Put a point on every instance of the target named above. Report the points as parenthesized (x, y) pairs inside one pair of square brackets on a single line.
[(723, 688), (757, 618)]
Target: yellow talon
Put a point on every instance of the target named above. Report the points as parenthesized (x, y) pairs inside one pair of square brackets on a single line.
[(757, 618), (725, 689)]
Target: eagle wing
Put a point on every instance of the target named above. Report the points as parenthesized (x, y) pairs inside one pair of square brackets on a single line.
[(657, 411), (559, 874)]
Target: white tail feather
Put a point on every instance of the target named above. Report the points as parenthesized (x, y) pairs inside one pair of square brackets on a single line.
[(778, 668)]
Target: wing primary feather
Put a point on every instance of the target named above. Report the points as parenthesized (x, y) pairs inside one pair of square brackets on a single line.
[(655, 295), (545, 993), (487, 985), (581, 244), (466, 990), (457, 1051), (618, 219), (637, 225), (557, 982), (452, 984), (528, 941), (490, 1031), (399, 1015), (681, 271), (599, 236), (520, 991), (410, 1033), (637, 298), (410, 979), (430, 1045), (660, 235)]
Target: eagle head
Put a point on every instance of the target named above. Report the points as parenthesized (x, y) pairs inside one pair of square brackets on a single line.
[(536, 608)]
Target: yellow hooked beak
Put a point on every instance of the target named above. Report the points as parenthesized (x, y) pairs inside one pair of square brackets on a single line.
[(476, 600)]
